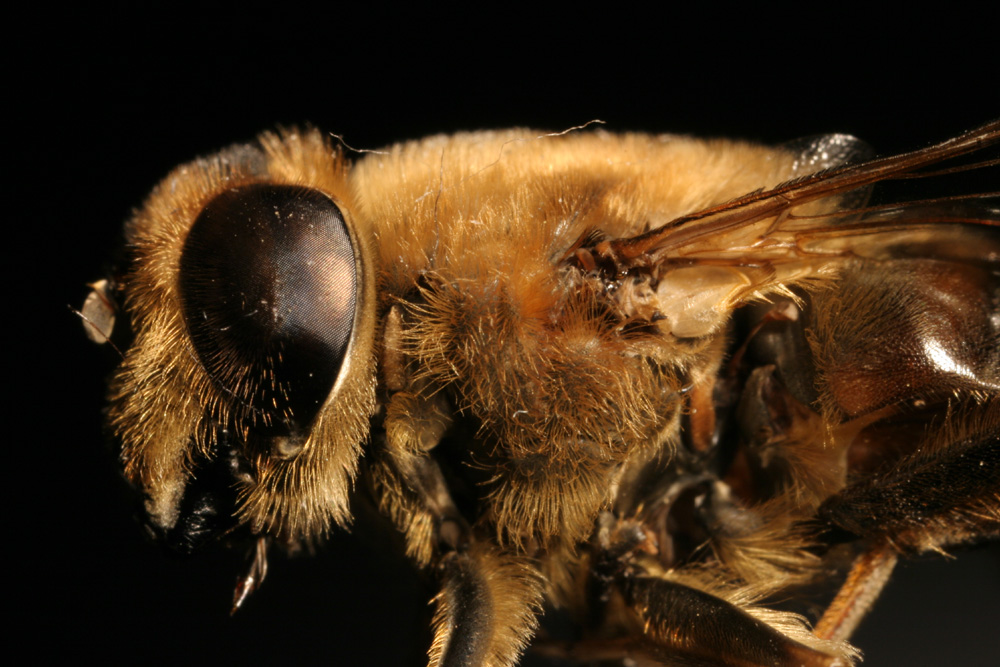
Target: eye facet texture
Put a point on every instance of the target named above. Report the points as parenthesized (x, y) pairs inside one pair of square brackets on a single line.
[(268, 284)]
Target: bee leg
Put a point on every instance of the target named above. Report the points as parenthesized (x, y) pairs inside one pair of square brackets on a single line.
[(927, 502), (464, 615), (411, 488), (868, 576), (413, 493), (487, 609), (486, 612), (687, 625), (690, 617)]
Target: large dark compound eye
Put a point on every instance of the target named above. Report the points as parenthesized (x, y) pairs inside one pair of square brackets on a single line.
[(268, 282)]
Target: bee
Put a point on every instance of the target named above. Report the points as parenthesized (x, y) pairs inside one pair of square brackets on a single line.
[(701, 395)]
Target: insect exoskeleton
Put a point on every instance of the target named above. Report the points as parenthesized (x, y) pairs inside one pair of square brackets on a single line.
[(581, 369)]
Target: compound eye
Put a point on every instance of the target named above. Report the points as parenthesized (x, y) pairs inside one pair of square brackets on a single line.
[(268, 284)]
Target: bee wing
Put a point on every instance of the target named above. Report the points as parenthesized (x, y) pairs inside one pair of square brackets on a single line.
[(735, 226), (704, 264)]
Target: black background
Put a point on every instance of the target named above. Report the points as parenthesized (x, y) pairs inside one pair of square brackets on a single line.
[(105, 103)]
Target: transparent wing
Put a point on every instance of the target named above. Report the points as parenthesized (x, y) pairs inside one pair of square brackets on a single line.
[(819, 213)]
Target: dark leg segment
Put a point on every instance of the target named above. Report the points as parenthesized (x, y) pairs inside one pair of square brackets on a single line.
[(464, 622), (705, 629), (486, 611), (928, 502)]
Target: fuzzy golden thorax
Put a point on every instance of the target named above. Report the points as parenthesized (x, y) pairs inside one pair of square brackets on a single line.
[(564, 378)]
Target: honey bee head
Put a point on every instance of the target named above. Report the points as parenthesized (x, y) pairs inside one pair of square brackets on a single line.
[(247, 392)]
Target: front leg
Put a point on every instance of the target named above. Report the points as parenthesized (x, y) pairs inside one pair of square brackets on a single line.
[(408, 482), (486, 612)]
